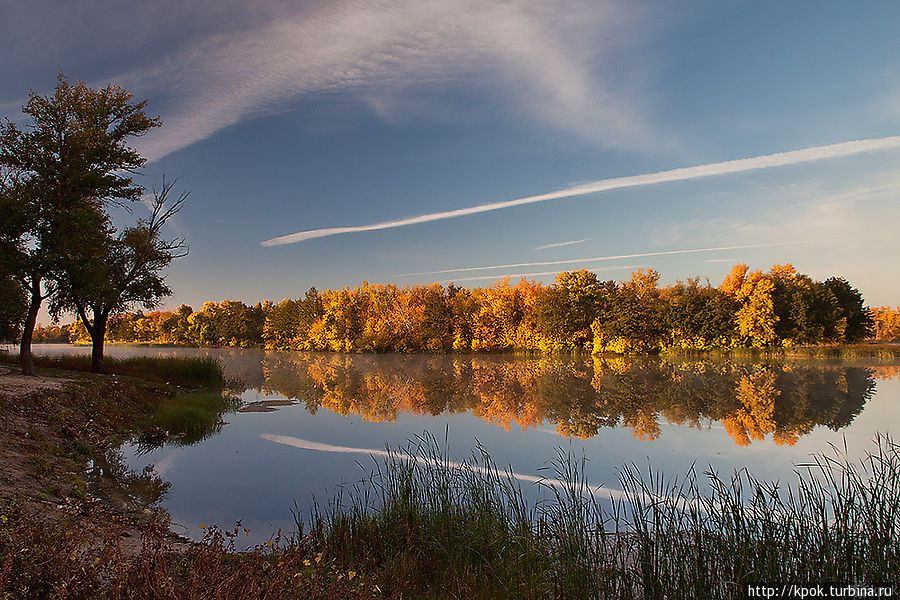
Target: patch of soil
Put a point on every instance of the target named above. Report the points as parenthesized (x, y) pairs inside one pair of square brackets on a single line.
[(22, 385), (58, 451)]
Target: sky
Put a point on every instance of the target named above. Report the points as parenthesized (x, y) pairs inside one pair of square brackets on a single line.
[(326, 143)]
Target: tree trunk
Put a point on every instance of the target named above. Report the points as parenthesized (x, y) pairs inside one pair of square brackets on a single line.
[(26, 358), (97, 334)]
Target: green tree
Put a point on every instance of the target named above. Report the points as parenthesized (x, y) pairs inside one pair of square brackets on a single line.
[(859, 319), (698, 316), (806, 311), (634, 320), (569, 307), (12, 308), (73, 152), (120, 271), (12, 296)]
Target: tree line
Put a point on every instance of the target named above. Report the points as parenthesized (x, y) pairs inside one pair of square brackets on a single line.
[(779, 308), (59, 175)]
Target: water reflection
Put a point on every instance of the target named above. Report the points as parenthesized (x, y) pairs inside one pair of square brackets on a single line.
[(577, 396), (186, 419), (124, 486)]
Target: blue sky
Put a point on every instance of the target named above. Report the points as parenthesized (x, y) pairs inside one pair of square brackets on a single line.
[(305, 117)]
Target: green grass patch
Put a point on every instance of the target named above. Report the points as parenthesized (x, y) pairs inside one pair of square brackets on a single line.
[(194, 372)]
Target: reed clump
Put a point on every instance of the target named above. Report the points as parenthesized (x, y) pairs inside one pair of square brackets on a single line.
[(423, 526)]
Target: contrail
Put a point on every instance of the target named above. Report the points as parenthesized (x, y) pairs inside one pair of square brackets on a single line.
[(561, 244), (513, 275), (597, 258), (681, 174)]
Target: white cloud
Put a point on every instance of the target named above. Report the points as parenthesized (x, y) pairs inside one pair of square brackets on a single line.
[(779, 159), (552, 61), (496, 277), (819, 214)]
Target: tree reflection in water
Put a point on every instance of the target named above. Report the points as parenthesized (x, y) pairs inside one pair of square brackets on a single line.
[(581, 395)]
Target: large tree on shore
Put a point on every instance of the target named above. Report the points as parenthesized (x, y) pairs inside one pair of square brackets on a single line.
[(117, 271), (70, 159)]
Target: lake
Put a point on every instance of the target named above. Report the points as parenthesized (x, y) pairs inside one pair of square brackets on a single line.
[(308, 423)]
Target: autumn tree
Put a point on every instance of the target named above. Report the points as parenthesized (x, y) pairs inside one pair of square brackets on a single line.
[(74, 150), (756, 319), (696, 316), (569, 306), (120, 270), (634, 321), (436, 317), (463, 309), (887, 324), (173, 326), (502, 310)]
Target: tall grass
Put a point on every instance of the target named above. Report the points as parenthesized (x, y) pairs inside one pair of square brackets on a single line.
[(425, 526), (194, 372)]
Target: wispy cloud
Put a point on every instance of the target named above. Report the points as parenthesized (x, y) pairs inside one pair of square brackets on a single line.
[(558, 65), (779, 159), (827, 212), (599, 259), (561, 244)]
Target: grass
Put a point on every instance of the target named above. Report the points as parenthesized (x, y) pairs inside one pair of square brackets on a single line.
[(425, 527), (197, 372), (857, 350)]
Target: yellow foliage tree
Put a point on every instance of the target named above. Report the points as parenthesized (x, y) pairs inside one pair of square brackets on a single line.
[(756, 318), (887, 323)]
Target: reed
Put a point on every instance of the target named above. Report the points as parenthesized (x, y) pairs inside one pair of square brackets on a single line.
[(424, 526)]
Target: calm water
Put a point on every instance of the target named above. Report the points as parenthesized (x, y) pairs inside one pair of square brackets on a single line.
[(309, 422)]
